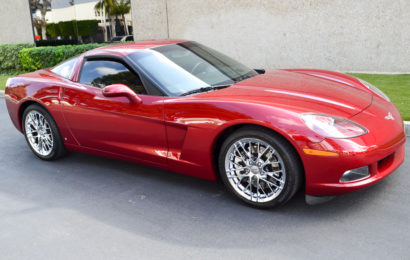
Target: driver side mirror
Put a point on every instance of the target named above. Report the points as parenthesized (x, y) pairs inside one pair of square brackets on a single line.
[(120, 90)]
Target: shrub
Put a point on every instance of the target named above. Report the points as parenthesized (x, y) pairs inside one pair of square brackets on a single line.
[(45, 57), (67, 28), (87, 27), (53, 30), (9, 58), (73, 28)]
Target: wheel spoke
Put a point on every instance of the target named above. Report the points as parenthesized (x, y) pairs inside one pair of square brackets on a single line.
[(269, 187), (246, 152), (237, 169), (239, 176), (260, 185), (271, 183), (272, 163), (257, 189), (40, 145), (237, 165), (240, 154), (38, 132), (261, 154), (271, 174)]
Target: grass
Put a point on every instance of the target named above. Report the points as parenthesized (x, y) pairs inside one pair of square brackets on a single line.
[(3, 79), (397, 87)]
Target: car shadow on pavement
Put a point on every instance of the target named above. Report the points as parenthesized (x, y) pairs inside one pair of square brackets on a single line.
[(160, 205)]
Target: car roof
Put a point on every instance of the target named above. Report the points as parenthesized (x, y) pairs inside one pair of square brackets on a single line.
[(123, 49)]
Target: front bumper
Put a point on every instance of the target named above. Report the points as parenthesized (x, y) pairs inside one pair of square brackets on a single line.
[(379, 167), (382, 150)]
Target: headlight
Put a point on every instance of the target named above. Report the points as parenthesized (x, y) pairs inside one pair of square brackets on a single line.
[(332, 126), (374, 89)]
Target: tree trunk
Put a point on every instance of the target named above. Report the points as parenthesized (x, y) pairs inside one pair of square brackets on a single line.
[(113, 31), (35, 30), (43, 12), (125, 25), (43, 32), (105, 25)]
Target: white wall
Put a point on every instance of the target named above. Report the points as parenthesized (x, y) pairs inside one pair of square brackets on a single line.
[(84, 11), (345, 35), (150, 17), (15, 22)]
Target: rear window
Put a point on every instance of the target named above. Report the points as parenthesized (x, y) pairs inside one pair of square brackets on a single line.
[(66, 68)]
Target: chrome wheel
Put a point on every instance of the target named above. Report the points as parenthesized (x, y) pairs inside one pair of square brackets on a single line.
[(38, 133), (255, 170)]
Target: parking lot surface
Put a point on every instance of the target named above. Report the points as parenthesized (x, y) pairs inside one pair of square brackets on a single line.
[(87, 207)]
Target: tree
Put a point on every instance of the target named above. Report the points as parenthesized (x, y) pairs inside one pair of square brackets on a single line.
[(121, 9), (104, 8), (43, 6), (37, 26)]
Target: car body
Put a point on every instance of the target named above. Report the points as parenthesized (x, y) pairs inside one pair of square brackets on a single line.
[(183, 133)]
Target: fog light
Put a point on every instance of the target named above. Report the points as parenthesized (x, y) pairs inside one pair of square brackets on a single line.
[(355, 174)]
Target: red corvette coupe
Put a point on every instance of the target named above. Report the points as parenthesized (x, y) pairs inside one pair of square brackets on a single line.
[(187, 108)]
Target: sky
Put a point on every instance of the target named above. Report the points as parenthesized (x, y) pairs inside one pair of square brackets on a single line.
[(65, 3)]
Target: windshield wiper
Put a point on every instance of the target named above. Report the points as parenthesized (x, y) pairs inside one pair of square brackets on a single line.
[(206, 89), (240, 78)]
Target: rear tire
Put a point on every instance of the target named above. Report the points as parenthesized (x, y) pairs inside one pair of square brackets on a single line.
[(260, 167), (42, 134)]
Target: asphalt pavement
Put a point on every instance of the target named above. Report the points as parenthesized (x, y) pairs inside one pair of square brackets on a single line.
[(88, 207)]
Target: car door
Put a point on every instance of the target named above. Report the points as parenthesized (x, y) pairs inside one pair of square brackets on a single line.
[(114, 124)]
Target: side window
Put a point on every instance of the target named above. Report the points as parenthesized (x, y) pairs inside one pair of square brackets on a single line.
[(66, 68), (101, 73)]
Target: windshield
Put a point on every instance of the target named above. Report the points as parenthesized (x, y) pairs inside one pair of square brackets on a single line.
[(184, 67)]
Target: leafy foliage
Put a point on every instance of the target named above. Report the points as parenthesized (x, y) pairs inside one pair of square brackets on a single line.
[(72, 28), (45, 57), (121, 8), (113, 8), (67, 28), (9, 58), (53, 30), (106, 4), (87, 27)]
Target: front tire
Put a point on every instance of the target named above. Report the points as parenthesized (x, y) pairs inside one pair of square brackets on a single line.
[(41, 133), (260, 167)]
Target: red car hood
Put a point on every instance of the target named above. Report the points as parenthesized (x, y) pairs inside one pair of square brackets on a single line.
[(302, 93)]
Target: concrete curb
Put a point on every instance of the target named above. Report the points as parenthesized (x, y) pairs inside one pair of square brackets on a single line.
[(407, 127), (406, 123)]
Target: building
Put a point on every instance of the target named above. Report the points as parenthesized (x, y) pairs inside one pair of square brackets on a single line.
[(81, 11), (343, 35), (15, 22)]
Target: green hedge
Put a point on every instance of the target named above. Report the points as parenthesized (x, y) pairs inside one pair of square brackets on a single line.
[(44, 57), (53, 30), (9, 58), (87, 27), (72, 28)]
